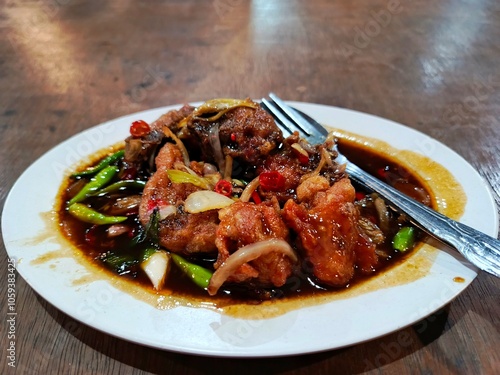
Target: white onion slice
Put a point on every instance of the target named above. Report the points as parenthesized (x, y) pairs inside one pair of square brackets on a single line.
[(166, 211), (117, 230), (156, 268), (300, 149), (178, 142), (205, 200), (249, 189), (244, 255), (214, 139)]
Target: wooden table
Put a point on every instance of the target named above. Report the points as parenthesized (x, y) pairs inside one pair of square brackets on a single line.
[(67, 65)]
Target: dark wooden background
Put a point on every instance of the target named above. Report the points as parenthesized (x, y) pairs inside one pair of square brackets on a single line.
[(66, 65)]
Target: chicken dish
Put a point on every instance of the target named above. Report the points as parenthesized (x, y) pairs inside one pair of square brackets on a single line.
[(215, 198)]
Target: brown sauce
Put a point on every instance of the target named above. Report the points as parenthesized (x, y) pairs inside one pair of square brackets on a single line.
[(446, 195), (298, 286)]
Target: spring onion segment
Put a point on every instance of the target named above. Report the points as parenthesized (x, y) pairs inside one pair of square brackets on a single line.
[(181, 177), (205, 200)]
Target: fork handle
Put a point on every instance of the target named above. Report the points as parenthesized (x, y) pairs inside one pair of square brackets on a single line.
[(477, 247)]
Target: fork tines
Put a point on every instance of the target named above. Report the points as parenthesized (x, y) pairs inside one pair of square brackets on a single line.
[(290, 119)]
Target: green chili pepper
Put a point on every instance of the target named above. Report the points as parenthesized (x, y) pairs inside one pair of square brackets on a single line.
[(88, 215), (102, 164), (198, 274), (404, 239), (96, 183), (124, 184)]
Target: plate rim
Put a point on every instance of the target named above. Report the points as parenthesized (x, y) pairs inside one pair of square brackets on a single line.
[(211, 352)]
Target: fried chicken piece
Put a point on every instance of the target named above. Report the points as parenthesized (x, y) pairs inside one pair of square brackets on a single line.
[(182, 232), (139, 150), (246, 134), (326, 225), (243, 224)]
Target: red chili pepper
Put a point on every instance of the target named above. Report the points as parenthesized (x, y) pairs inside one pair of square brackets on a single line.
[(233, 137), (382, 172), (154, 202), (91, 235), (224, 187), (256, 197), (360, 195), (139, 128), (303, 159), (272, 180)]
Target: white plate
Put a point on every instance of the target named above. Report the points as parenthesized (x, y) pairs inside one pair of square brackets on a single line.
[(338, 323)]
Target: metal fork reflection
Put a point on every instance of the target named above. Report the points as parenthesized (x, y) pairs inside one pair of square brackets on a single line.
[(480, 249)]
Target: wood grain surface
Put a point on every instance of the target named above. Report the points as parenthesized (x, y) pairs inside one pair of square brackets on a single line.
[(67, 65)]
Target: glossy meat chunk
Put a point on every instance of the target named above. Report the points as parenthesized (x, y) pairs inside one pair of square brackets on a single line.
[(181, 232), (243, 224), (327, 231), (139, 150), (246, 134)]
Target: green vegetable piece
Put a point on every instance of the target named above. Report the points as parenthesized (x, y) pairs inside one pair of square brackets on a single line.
[(220, 107), (97, 182), (181, 177), (404, 239), (88, 215), (102, 164), (153, 227), (148, 252), (120, 263), (198, 274), (117, 186)]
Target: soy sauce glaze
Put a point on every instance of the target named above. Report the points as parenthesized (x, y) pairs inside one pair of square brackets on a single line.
[(95, 244)]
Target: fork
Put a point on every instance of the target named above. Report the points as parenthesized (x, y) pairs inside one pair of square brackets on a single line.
[(478, 248)]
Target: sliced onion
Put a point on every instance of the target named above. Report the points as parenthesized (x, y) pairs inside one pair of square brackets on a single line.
[(156, 268), (133, 149), (205, 200), (220, 107), (317, 171), (249, 189), (327, 156), (166, 211), (179, 144), (117, 230), (309, 148), (152, 157), (209, 169), (125, 205), (214, 139), (244, 255), (383, 213), (228, 170), (300, 149)]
